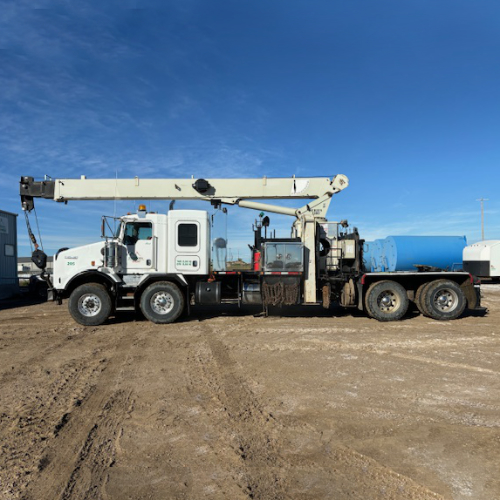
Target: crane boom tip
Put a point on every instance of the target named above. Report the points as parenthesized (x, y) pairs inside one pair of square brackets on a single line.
[(340, 182)]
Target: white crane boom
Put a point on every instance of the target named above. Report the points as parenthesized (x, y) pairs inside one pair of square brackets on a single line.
[(229, 191)]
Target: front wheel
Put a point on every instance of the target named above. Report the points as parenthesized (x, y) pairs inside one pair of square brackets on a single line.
[(162, 302), (90, 304), (386, 301), (443, 300)]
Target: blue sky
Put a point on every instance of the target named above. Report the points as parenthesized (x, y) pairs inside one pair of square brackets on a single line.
[(402, 97)]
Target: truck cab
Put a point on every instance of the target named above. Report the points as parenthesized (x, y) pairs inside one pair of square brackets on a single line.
[(178, 242), (144, 244)]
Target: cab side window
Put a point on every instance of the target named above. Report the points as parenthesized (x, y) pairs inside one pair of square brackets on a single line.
[(187, 235), (135, 231)]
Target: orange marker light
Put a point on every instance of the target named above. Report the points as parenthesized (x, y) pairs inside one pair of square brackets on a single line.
[(142, 208)]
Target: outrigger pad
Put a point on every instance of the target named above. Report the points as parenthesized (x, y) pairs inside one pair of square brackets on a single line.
[(39, 258)]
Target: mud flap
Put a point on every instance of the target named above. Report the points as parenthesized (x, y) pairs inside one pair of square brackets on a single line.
[(53, 296), (348, 295), (359, 286), (472, 294), (327, 292)]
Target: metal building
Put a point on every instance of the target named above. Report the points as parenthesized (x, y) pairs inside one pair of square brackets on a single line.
[(26, 267), (9, 284)]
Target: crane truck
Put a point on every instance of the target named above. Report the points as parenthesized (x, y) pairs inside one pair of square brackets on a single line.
[(163, 264)]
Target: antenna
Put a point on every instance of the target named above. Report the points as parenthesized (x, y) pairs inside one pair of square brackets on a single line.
[(114, 202), (482, 200)]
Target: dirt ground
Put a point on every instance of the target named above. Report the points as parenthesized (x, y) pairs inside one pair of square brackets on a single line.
[(238, 407)]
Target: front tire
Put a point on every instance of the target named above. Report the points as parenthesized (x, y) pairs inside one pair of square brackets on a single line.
[(386, 301), (90, 304), (443, 300), (162, 302)]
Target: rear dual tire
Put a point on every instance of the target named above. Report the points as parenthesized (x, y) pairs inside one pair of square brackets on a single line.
[(442, 300)]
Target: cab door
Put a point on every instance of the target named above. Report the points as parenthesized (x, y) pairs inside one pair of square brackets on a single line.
[(138, 241), (187, 246)]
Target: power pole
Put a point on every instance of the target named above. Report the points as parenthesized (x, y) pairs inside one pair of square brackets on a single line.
[(482, 200)]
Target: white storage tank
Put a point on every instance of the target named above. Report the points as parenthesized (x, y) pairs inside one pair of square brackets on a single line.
[(482, 259), (9, 284)]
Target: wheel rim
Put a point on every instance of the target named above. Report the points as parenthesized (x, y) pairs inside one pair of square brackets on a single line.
[(388, 301), (89, 305), (445, 300), (162, 302)]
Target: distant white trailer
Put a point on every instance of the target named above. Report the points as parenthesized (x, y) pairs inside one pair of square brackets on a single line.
[(482, 259)]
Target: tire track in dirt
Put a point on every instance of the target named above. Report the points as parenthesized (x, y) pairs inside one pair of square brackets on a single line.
[(240, 418), (30, 420), (41, 354), (80, 447), (445, 364), (269, 467), (256, 434), (99, 450)]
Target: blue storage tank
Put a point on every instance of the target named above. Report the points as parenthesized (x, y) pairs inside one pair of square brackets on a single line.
[(378, 264), (367, 255), (376, 257), (402, 253)]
